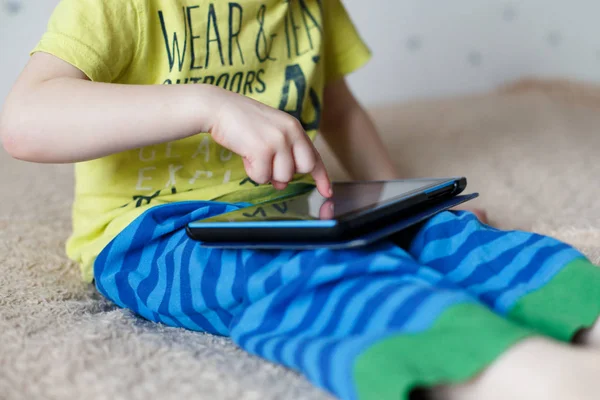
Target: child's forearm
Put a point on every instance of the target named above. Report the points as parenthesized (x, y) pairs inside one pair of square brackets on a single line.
[(68, 119), (360, 149), (55, 115), (351, 134)]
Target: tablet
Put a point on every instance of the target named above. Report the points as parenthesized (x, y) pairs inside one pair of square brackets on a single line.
[(355, 209)]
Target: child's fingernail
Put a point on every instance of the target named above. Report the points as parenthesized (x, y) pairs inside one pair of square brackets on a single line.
[(330, 192)]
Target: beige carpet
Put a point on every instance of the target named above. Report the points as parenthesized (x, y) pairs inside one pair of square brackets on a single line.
[(532, 157)]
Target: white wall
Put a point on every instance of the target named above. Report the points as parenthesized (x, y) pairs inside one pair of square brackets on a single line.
[(421, 48), (426, 48), (22, 22)]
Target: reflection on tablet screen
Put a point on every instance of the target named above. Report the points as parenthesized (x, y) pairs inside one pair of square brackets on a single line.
[(311, 205)]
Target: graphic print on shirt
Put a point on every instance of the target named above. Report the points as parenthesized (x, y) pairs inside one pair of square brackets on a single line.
[(268, 52)]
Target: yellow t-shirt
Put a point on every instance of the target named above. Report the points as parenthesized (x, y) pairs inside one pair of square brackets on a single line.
[(279, 52)]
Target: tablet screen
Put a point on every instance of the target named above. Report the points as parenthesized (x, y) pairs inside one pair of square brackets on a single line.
[(347, 198)]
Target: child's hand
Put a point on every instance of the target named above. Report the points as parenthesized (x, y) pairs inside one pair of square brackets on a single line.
[(272, 143), (480, 214)]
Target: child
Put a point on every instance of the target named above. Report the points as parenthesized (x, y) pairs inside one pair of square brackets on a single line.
[(123, 88)]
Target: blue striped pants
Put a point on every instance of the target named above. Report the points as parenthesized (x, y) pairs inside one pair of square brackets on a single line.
[(319, 312)]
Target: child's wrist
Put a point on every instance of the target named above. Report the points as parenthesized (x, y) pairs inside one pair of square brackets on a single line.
[(205, 102)]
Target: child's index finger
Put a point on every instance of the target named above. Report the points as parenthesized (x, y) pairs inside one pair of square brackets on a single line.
[(319, 174)]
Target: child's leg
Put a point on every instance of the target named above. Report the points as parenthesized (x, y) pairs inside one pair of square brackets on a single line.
[(534, 280), (534, 369), (361, 324), (590, 336), (368, 324)]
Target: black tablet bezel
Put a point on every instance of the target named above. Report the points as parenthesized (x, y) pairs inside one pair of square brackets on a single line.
[(346, 225)]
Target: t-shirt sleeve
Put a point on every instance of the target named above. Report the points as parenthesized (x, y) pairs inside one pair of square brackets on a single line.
[(344, 49), (99, 37)]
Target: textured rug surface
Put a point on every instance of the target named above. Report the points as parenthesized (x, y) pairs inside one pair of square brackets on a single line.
[(532, 157)]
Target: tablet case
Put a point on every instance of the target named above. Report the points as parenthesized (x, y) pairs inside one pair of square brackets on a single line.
[(359, 241)]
